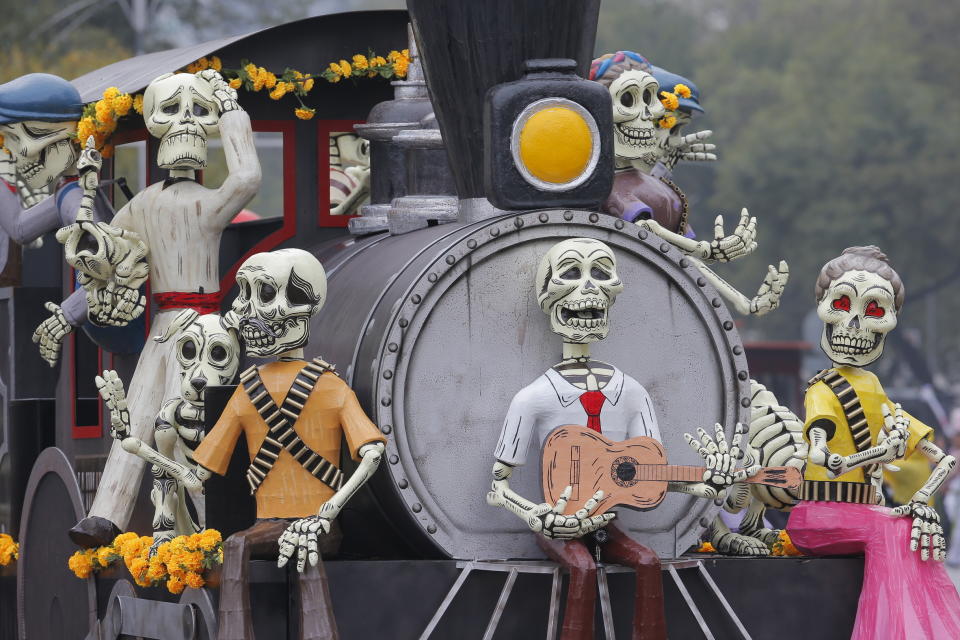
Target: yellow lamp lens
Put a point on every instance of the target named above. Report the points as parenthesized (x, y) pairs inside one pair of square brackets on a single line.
[(556, 145)]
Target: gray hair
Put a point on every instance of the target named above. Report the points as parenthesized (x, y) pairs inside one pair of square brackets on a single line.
[(868, 258)]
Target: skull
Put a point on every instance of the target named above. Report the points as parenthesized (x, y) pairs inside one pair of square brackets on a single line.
[(208, 352), (636, 109), (578, 283), (858, 309), (44, 151), (180, 110), (279, 292)]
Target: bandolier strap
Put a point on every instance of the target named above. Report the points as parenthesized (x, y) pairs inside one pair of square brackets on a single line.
[(282, 421)]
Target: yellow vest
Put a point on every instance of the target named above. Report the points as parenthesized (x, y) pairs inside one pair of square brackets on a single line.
[(822, 403)]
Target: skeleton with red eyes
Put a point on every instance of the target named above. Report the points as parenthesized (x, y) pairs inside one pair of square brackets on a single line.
[(854, 431)]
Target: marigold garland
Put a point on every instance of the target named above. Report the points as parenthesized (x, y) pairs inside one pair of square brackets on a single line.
[(784, 547), (178, 563), (100, 118), (706, 547), (9, 550)]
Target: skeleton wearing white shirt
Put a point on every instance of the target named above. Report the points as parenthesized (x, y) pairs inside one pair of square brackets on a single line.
[(181, 222)]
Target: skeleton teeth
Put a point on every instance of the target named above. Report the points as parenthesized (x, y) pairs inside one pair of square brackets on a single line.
[(638, 137)]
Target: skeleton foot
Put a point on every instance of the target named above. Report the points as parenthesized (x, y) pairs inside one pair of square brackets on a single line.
[(736, 544)]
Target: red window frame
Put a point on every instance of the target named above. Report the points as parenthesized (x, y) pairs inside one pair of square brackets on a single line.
[(324, 129)]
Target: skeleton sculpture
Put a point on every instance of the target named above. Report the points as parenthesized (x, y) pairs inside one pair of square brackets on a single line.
[(656, 203), (854, 429), (349, 173), (208, 353), (294, 414), (577, 283), (181, 222), (672, 144), (38, 122)]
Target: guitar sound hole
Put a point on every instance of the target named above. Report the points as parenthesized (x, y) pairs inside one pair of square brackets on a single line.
[(624, 471)]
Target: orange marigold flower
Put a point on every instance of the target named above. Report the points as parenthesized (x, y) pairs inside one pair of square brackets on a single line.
[(81, 563), (235, 83), (215, 63), (251, 70), (110, 93), (335, 68), (304, 113), (345, 68), (682, 90), (400, 66), (122, 104), (308, 84), (669, 100), (706, 547), (377, 61), (269, 78), (279, 91), (668, 122), (105, 556), (175, 585), (194, 580), (138, 103), (85, 129), (360, 62), (104, 110), (393, 55)]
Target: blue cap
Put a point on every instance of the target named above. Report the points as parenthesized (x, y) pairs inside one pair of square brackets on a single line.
[(39, 96), (668, 81)]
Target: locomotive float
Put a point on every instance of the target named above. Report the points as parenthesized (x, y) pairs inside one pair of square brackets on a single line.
[(391, 249)]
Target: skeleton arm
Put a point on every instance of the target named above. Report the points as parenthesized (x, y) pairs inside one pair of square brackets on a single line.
[(302, 536), (767, 298), (723, 248), (689, 147), (721, 461), (243, 166), (926, 534), (891, 444)]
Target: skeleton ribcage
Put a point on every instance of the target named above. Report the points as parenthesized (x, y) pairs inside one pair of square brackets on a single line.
[(778, 435)]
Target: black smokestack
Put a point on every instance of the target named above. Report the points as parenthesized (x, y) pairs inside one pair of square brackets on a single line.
[(468, 46)]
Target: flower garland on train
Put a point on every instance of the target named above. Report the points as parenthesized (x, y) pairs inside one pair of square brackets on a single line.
[(178, 564), (100, 118)]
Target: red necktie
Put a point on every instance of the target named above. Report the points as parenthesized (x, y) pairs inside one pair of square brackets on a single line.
[(592, 401)]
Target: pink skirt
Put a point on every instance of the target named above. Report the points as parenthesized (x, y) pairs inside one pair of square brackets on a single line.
[(903, 597)]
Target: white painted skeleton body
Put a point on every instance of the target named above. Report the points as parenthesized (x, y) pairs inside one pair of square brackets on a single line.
[(181, 224)]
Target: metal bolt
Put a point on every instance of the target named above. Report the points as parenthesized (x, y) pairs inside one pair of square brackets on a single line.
[(495, 232), (403, 484), (451, 259), (642, 234), (518, 222), (432, 277), (727, 325), (392, 347), (543, 217), (716, 303), (701, 282), (664, 247), (417, 507), (394, 459), (385, 401), (568, 215), (471, 243), (745, 402), (618, 223), (403, 322), (737, 350), (742, 375), (594, 218), (415, 298), (386, 428), (432, 528)]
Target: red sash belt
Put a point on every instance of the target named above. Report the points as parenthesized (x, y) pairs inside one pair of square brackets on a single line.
[(202, 303)]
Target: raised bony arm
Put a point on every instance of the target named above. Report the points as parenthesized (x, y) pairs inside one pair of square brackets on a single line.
[(891, 444), (723, 248), (302, 536), (767, 298), (545, 518), (721, 463)]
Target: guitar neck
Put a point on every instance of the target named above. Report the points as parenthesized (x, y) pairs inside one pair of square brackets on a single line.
[(669, 473)]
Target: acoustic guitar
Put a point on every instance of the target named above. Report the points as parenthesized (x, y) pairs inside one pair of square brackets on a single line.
[(633, 473)]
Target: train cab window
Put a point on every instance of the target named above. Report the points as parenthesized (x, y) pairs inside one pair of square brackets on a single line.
[(268, 203), (349, 172), (129, 171)]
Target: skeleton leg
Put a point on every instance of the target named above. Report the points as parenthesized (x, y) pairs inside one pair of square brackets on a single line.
[(582, 592), (649, 619), (155, 378), (752, 524)]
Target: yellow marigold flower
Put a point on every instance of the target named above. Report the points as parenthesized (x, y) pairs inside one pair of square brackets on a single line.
[(138, 568), (194, 580), (81, 563), (192, 561), (251, 70), (104, 111), (669, 100), (122, 104), (406, 53), (85, 129), (335, 68), (668, 122), (682, 90), (156, 571), (279, 91), (784, 547), (210, 538), (297, 75), (304, 113), (138, 103), (706, 547), (163, 553), (360, 62), (105, 556), (270, 79), (236, 83), (393, 55), (377, 61), (345, 68), (308, 84), (400, 66), (124, 537), (175, 585), (110, 93), (215, 63)]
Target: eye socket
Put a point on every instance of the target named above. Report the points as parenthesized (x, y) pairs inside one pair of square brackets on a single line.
[(626, 99), (188, 350), (200, 110), (573, 273), (267, 292), (598, 274), (364, 148), (874, 310), (841, 304), (170, 109), (648, 96), (218, 353)]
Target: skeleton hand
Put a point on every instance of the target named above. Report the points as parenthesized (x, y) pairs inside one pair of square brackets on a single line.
[(111, 390), (895, 432), (926, 536), (726, 248), (690, 147), (302, 536), (768, 297), (721, 460), (223, 93), (127, 303), (50, 334), (551, 523)]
